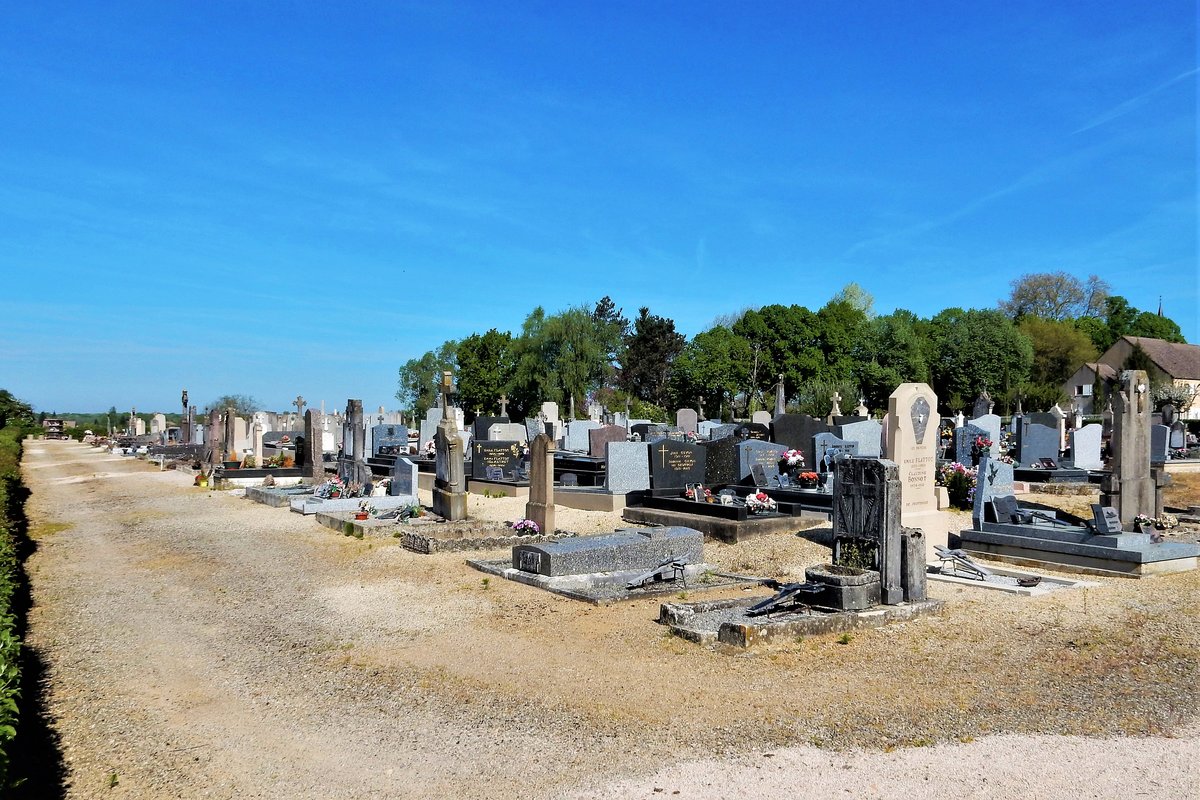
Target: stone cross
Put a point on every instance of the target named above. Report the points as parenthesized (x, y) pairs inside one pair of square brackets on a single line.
[(299, 404), (445, 388), (504, 405), (780, 399), (700, 408), (862, 409)]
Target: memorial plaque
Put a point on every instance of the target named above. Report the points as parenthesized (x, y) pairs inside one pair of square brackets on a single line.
[(764, 455), (1106, 519), (502, 456)]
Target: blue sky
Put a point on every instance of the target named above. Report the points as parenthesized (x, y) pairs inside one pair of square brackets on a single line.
[(284, 198)]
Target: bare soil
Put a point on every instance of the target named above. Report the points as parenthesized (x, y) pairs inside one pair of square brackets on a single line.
[(199, 645)]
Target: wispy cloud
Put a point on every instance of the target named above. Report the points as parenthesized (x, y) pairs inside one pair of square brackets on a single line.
[(1121, 109)]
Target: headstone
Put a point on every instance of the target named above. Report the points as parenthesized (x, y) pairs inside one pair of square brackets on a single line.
[(139, 426), (866, 519), (992, 424), (1085, 447), (673, 465), (534, 426), (540, 507), (1160, 436), (578, 435), (722, 430), (761, 417), (964, 442), (687, 419), (595, 412), (158, 423), (213, 438), (649, 430), (501, 458), (983, 405), (867, 433), (482, 424), (753, 430), (258, 444), (1035, 442), (550, 412), (994, 479), (912, 445), (862, 409), (827, 448), (389, 440), (758, 457), (404, 478), (1178, 437), (358, 437), (796, 431), (627, 467), (508, 432), (598, 439), (705, 427), (1106, 519), (721, 461), (624, 550), (1060, 425)]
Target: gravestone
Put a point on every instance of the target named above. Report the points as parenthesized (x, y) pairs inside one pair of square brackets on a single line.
[(650, 430), (992, 424), (389, 440), (507, 432), (964, 442), (450, 481), (158, 423), (796, 432), (705, 427), (625, 550), (481, 425), (357, 434), (1159, 438), (1129, 487), (312, 471), (721, 461), (534, 427), (755, 455), (721, 430), (867, 433), (1060, 425), (495, 460), (627, 467), (1036, 441), (212, 438), (983, 405), (912, 446), (686, 420), (598, 439), (1178, 437), (1106, 519), (540, 507), (404, 478), (673, 465), (995, 479), (761, 418), (827, 448), (578, 435), (1085, 447), (257, 438), (866, 520), (753, 430)]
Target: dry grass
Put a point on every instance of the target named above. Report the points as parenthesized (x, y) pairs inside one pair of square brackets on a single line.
[(1183, 491)]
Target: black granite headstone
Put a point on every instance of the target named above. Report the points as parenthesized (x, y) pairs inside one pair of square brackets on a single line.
[(796, 431), (720, 461), (674, 465), (482, 424), (505, 456)]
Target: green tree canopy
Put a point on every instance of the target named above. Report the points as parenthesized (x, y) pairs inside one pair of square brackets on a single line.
[(1055, 295), (1059, 348), (420, 378), (485, 369), (714, 366), (975, 350), (14, 412), (649, 355), (242, 404)]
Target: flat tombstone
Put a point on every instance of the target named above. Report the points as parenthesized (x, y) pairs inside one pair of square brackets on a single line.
[(502, 456), (912, 445), (866, 432), (995, 479), (686, 419), (598, 439), (673, 465), (964, 442), (627, 467), (796, 431), (1035, 442), (1085, 447), (611, 552), (721, 461), (761, 418), (482, 424), (1159, 437), (389, 440), (759, 460), (1106, 519), (404, 478), (828, 448)]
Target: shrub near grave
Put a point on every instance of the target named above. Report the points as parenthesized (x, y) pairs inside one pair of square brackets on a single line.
[(12, 495)]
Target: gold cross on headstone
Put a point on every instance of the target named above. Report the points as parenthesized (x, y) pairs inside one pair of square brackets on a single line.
[(664, 452)]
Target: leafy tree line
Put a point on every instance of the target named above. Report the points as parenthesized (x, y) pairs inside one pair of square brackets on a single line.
[(1026, 347)]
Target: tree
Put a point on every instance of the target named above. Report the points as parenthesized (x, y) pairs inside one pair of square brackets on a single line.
[(840, 326), (975, 350), (1055, 295), (650, 351), (895, 351), (782, 339), (714, 366), (420, 378), (1059, 348), (857, 297), (560, 357), (1152, 326), (485, 369), (14, 412), (243, 405)]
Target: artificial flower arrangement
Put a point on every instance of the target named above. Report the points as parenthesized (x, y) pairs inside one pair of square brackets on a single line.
[(760, 503), (808, 477), (526, 527), (698, 493), (793, 458), (334, 487), (430, 449), (1165, 522)]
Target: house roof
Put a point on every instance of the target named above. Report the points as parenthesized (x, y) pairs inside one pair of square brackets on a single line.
[(1103, 370), (1180, 361)]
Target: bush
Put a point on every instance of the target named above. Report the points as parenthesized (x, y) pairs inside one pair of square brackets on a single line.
[(12, 498)]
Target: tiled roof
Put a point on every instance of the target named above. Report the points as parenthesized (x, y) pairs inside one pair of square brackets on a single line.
[(1180, 361)]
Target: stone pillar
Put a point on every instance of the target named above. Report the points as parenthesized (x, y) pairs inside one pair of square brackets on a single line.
[(540, 507), (185, 421), (449, 485), (212, 438), (912, 444), (912, 565), (258, 445), (866, 515), (312, 460), (354, 417), (1130, 488), (229, 443)]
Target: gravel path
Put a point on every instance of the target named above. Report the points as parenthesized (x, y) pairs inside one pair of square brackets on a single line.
[(203, 646)]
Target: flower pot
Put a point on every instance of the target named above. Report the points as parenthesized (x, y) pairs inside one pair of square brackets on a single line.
[(361, 515), (846, 588)]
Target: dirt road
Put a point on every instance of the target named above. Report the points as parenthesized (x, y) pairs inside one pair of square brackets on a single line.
[(200, 645)]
